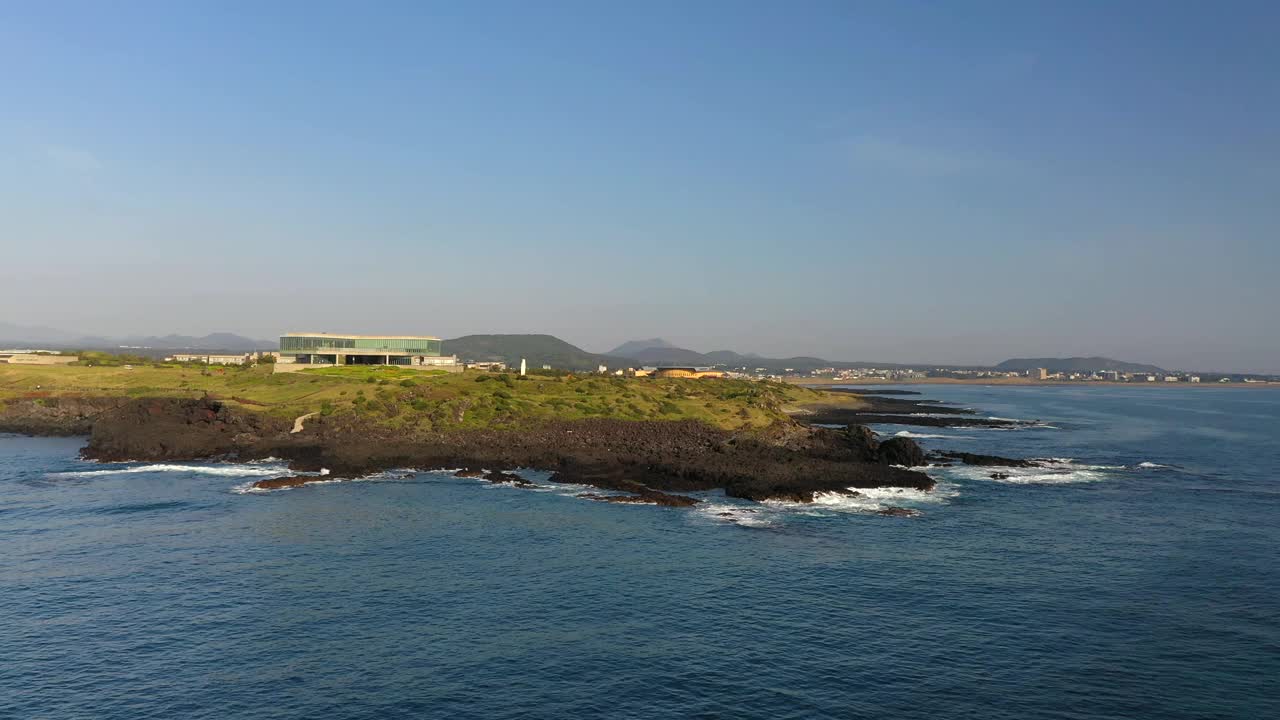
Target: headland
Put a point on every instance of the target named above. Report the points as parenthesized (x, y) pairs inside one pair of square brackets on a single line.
[(645, 439)]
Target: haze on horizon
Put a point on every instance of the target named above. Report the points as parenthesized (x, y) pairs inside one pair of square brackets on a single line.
[(909, 182)]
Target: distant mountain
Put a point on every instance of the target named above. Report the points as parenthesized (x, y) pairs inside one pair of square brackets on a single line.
[(670, 356), (11, 334), (1076, 364), (537, 350), (729, 357), (212, 341), (630, 348)]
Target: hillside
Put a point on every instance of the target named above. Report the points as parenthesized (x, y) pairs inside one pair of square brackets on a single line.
[(537, 350), (1076, 364)]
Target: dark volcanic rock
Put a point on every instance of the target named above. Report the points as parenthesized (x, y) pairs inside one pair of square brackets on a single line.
[(800, 486), (469, 473), (985, 460), (894, 511), (54, 415), (498, 476), (901, 451), (846, 416), (637, 458), (175, 429), (999, 476), (648, 497), (286, 482)]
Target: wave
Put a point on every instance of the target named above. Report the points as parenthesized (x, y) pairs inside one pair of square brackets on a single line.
[(320, 478), (909, 434), (752, 517), (225, 470), (1050, 471), (1148, 465)]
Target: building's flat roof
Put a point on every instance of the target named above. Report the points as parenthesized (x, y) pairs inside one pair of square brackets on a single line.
[(362, 337)]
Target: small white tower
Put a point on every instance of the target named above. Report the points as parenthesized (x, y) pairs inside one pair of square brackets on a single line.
[(522, 366)]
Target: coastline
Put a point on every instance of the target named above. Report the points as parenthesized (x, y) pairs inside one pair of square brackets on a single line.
[(648, 460), (1018, 382)]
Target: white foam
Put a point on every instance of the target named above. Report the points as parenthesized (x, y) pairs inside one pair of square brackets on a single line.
[(735, 514), (321, 478), (909, 434), (1049, 471), (225, 470), (1148, 465)]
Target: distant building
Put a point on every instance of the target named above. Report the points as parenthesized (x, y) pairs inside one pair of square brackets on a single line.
[(1171, 378), (687, 372), (1194, 379), (214, 359), (1038, 374), (36, 358), (490, 365), (324, 349)]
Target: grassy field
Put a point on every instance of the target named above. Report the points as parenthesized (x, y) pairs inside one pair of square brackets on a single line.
[(427, 400)]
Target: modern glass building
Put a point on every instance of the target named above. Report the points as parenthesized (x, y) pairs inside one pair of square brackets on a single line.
[(327, 349)]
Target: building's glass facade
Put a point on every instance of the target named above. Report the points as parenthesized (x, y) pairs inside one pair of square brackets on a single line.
[(294, 344)]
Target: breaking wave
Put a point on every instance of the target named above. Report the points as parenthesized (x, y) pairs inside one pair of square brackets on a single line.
[(224, 470), (1049, 471), (752, 517), (916, 435)]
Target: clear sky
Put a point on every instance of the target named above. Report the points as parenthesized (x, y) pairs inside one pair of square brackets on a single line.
[(943, 181)]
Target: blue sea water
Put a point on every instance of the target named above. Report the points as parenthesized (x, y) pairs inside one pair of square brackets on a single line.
[(1136, 577)]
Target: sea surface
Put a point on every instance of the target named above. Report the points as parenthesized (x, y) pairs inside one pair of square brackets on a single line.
[(1136, 577)]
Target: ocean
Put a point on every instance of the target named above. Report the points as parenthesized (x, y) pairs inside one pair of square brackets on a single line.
[(1136, 576)]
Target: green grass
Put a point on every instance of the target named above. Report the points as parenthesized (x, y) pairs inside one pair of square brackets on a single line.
[(427, 399)]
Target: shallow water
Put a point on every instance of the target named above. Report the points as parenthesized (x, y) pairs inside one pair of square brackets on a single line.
[(1136, 577)]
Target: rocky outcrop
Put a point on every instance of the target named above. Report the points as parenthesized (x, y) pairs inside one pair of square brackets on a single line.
[(646, 497), (901, 451), (984, 460), (177, 429), (38, 415), (506, 478), (287, 482), (802, 484)]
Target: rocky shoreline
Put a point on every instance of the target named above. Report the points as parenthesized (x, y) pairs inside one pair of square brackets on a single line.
[(878, 409), (649, 462)]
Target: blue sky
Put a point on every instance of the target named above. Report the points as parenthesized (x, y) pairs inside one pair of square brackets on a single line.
[(950, 182)]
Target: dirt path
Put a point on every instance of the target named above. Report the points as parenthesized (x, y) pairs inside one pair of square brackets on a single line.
[(297, 423)]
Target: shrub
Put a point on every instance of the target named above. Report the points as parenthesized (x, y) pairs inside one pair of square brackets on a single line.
[(668, 408), (407, 383), (326, 408), (371, 379)]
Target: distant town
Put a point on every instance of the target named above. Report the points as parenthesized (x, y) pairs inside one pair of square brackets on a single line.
[(544, 353)]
